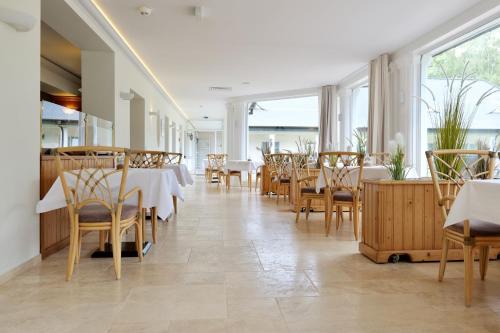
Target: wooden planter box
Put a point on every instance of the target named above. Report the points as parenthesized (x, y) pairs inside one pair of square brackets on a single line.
[(403, 218)]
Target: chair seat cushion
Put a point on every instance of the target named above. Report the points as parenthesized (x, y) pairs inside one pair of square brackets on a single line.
[(99, 213), (235, 172), (343, 196), (311, 190), (284, 180), (478, 228)]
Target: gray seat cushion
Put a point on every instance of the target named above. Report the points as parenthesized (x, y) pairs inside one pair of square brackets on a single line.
[(99, 213), (478, 228)]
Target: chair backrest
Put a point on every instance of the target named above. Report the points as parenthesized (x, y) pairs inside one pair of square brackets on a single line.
[(216, 161), (343, 171), (83, 185), (451, 168), (173, 158), (300, 165), (146, 159), (280, 165), (380, 158)]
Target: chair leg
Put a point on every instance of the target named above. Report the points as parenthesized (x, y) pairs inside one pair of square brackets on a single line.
[(444, 258), (308, 208), (79, 247), (154, 224), (139, 238), (278, 188), (73, 242), (239, 177), (174, 199), (338, 216), (102, 239), (143, 223), (117, 250), (355, 220), (468, 268), (298, 207), (484, 252)]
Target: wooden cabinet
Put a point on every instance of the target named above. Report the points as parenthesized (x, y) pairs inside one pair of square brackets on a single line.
[(54, 225), (403, 218)]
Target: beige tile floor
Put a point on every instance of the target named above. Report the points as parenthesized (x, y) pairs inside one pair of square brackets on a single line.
[(237, 262)]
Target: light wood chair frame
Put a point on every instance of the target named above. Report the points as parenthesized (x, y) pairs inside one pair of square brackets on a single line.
[(149, 159), (303, 178), (91, 187), (280, 169), (216, 163), (172, 158), (342, 165), (446, 186)]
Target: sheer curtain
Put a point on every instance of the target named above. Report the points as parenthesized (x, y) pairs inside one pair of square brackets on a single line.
[(379, 105), (237, 130), (328, 118)]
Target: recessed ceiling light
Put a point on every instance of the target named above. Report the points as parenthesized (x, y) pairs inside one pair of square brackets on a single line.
[(205, 117), (245, 82), (201, 106), (145, 11)]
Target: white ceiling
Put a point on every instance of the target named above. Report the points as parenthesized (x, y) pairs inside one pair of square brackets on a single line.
[(276, 45)]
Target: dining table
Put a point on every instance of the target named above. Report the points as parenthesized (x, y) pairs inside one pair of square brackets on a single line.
[(158, 187), (181, 172), (477, 200), (247, 166), (370, 172)]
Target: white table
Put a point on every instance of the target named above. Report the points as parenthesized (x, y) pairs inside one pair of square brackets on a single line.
[(243, 166), (369, 173), (181, 171), (158, 188), (477, 200)]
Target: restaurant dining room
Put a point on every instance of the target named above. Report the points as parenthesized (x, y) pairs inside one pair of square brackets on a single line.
[(250, 166)]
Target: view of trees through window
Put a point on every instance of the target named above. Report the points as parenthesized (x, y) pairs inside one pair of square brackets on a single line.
[(478, 57)]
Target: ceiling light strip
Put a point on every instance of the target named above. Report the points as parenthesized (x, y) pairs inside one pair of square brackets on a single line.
[(134, 52)]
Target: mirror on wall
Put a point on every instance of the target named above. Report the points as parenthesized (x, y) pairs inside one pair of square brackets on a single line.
[(65, 127)]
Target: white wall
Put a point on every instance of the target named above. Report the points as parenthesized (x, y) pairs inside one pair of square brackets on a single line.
[(19, 138), (128, 76)]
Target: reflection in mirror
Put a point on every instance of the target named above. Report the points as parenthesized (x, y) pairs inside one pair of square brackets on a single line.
[(61, 126), (65, 127)]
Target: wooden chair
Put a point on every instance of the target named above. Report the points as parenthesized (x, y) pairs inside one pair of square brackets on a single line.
[(148, 159), (280, 171), (306, 188), (172, 158), (343, 172), (92, 206), (380, 158), (216, 164), (450, 169)]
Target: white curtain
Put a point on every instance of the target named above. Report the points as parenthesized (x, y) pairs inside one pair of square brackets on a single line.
[(379, 105), (328, 119), (237, 131)]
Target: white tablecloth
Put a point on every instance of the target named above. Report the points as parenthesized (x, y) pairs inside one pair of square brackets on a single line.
[(181, 171), (369, 173), (241, 165), (157, 185), (476, 200)]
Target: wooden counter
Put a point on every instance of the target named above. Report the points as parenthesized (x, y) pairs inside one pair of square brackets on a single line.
[(403, 217), (54, 225)]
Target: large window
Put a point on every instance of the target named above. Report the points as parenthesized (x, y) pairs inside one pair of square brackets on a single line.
[(282, 124), (479, 58), (358, 116)]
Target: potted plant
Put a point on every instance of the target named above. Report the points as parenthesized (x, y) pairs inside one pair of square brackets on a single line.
[(450, 117), (396, 165)]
